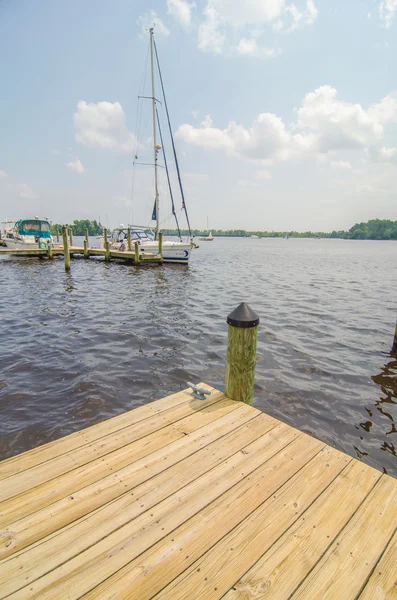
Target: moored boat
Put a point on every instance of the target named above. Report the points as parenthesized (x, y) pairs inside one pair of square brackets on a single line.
[(25, 234)]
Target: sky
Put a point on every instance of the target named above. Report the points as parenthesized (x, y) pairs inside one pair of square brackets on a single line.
[(284, 112)]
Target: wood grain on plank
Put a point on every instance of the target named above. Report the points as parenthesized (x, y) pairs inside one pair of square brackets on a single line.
[(382, 583), (108, 467), (70, 541), (36, 456), (281, 569), (91, 567), (349, 560), (150, 571), (52, 468)]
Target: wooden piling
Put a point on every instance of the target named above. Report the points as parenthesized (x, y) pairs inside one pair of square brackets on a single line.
[(136, 247), (394, 347), (70, 237), (161, 243), (57, 235), (50, 251), (66, 253), (86, 253), (106, 244), (86, 235), (241, 354), (129, 240)]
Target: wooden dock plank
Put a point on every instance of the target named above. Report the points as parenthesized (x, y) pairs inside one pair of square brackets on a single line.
[(340, 573), (70, 541), (213, 574), (91, 567), (161, 465), (282, 568), (45, 494), (201, 500), (237, 493), (36, 456), (382, 583), (53, 467)]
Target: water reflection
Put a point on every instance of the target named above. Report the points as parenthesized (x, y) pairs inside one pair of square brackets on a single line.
[(387, 403)]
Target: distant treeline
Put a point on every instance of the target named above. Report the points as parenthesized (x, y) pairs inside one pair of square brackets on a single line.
[(376, 229), (79, 227)]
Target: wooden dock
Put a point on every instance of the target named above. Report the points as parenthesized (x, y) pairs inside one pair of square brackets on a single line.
[(189, 499), (143, 257)]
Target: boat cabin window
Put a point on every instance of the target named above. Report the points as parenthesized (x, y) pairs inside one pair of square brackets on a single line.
[(35, 226)]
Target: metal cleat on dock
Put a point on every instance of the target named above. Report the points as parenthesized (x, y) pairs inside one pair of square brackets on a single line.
[(198, 392)]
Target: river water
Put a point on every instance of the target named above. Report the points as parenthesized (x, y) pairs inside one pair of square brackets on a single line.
[(81, 347)]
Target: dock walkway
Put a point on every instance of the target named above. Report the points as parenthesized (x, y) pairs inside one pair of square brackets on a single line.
[(189, 499)]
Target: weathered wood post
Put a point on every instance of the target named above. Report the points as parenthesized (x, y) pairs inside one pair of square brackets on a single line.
[(241, 354), (136, 248), (71, 237), (394, 347), (66, 254), (106, 244), (57, 235), (50, 251), (129, 240), (161, 243), (85, 244)]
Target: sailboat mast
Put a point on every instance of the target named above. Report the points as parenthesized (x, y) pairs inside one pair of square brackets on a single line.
[(155, 148)]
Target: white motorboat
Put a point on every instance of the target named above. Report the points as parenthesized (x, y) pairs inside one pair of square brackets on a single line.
[(25, 234)]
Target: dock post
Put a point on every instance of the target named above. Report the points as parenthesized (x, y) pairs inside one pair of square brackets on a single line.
[(106, 244), (129, 240), (57, 235), (161, 243), (136, 247), (70, 237), (50, 251), (241, 354), (394, 347), (86, 253), (66, 254)]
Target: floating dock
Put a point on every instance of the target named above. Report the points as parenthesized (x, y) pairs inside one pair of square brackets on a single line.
[(188, 499)]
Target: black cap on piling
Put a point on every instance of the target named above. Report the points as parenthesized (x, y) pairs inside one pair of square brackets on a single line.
[(243, 316)]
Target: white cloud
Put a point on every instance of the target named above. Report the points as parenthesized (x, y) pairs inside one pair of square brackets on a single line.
[(387, 10), (151, 19), (182, 11), (102, 125), (325, 125), (210, 39), (223, 19), (341, 164), (388, 155), (3, 174), (26, 192), (338, 124), (263, 175), (75, 165), (250, 47)]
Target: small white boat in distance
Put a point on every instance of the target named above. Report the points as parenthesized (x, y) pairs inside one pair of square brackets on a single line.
[(25, 234), (209, 237)]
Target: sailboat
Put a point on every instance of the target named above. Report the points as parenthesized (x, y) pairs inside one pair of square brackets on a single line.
[(173, 251), (209, 237)]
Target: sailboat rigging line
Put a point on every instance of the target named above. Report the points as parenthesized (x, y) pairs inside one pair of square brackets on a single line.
[(150, 98), (168, 176), (172, 140), (149, 164)]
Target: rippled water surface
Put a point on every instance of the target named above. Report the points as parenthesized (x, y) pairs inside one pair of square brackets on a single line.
[(78, 348)]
